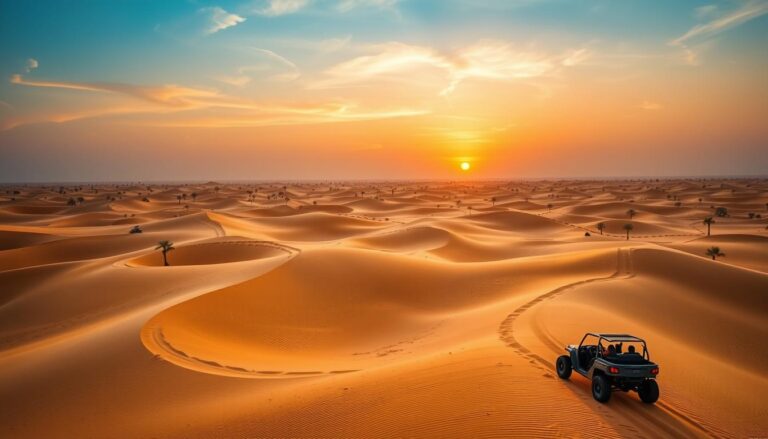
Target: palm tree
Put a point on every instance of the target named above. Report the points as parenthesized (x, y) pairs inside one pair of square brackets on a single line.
[(721, 212), (194, 196), (493, 201), (600, 227), (178, 197), (165, 246), (709, 221), (714, 252), (628, 228), (631, 213)]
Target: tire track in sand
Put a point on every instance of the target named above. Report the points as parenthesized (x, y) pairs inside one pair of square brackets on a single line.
[(676, 424)]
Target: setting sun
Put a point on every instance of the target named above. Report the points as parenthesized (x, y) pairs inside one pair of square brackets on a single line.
[(465, 166)]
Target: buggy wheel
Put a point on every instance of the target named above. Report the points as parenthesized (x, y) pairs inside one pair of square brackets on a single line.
[(564, 367), (648, 391), (601, 388)]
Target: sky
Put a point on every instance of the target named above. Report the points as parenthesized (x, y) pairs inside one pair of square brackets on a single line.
[(193, 90)]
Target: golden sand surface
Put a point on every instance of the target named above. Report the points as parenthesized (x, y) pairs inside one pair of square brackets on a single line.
[(392, 309)]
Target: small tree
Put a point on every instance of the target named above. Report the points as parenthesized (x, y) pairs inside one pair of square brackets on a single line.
[(194, 196), (601, 227), (714, 252), (721, 212), (628, 227), (493, 201), (165, 246), (178, 197), (71, 202), (709, 221), (631, 213)]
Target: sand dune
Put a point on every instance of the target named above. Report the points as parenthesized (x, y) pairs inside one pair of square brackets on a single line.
[(520, 222), (212, 252), (377, 309)]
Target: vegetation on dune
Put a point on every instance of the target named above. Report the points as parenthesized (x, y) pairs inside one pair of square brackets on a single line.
[(714, 253), (709, 221), (165, 246), (628, 227)]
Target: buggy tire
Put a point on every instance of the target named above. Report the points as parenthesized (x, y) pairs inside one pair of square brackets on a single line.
[(648, 391), (601, 388), (564, 367)]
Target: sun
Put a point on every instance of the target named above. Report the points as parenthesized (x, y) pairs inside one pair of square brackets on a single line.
[(465, 166)]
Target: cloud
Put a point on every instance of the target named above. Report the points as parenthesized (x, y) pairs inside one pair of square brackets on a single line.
[(348, 5), (651, 106), (748, 11), (706, 11), (175, 105), (32, 64), (276, 8), (272, 67), (487, 60), (323, 46), (219, 19), (166, 95)]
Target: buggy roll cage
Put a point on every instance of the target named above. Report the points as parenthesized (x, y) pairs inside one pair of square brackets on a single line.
[(616, 338)]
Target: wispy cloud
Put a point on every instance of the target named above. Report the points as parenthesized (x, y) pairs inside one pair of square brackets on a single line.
[(706, 11), (323, 45), (167, 95), (488, 60), (748, 11), (348, 5), (172, 105), (271, 66), (275, 8), (32, 64), (651, 106), (219, 19)]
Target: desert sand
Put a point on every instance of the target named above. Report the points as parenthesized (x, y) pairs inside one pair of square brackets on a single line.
[(391, 309)]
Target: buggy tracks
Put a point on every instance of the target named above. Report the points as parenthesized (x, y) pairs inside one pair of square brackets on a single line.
[(638, 420), (154, 336)]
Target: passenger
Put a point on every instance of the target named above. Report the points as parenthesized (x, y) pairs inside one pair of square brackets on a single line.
[(631, 351), (611, 351)]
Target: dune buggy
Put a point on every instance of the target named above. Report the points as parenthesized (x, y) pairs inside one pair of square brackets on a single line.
[(612, 362)]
